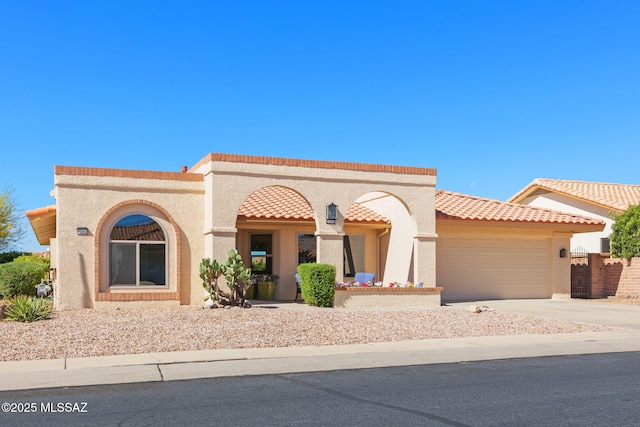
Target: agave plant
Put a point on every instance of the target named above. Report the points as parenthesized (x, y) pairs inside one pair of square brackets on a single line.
[(28, 309)]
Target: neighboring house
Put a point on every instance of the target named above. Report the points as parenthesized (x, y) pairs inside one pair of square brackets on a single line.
[(594, 199), (139, 236)]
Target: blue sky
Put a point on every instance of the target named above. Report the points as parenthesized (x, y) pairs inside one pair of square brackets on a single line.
[(491, 93)]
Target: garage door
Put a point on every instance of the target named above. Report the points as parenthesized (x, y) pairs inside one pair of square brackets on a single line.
[(492, 268)]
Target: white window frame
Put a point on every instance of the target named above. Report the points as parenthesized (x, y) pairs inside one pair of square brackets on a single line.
[(137, 244)]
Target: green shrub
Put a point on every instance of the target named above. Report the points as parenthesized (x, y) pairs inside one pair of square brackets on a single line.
[(10, 256), (28, 309), (20, 278), (625, 233), (34, 258), (317, 283)]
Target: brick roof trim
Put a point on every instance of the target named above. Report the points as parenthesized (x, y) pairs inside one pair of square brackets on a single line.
[(617, 197), (456, 206), (127, 173), (319, 164)]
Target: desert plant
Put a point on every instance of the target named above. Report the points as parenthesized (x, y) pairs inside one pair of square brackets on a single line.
[(28, 309), (20, 278), (317, 283), (236, 275), (11, 230)]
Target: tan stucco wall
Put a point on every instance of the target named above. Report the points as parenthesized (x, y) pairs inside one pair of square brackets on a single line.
[(89, 201), (367, 298)]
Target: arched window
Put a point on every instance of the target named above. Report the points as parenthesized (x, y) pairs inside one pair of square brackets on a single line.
[(137, 253)]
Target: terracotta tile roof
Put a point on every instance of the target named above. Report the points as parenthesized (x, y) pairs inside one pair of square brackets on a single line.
[(285, 204), (617, 197), (456, 206)]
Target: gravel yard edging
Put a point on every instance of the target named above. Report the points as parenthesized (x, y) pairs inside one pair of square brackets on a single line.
[(119, 331)]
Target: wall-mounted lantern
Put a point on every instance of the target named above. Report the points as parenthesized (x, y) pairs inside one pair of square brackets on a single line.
[(82, 231), (563, 253), (332, 213)]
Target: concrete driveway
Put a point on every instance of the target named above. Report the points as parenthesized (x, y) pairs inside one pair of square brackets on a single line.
[(574, 310)]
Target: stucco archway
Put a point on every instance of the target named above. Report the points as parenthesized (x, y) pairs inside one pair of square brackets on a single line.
[(230, 179), (103, 292), (394, 245)]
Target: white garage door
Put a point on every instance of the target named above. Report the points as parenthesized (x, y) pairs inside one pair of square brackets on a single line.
[(492, 268)]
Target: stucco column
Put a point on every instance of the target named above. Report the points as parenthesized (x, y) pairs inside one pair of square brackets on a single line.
[(560, 267), (424, 259), (330, 251), (218, 242)]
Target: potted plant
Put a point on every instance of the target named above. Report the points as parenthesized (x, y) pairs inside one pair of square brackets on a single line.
[(266, 285)]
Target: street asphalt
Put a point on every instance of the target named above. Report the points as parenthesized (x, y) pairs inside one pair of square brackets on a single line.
[(171, 366)]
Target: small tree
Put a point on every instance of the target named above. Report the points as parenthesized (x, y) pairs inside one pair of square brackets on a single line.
[(236, 275), (11, 230), (625, 234)]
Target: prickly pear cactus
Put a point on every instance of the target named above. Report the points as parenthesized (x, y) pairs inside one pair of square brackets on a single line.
[(237, 278)]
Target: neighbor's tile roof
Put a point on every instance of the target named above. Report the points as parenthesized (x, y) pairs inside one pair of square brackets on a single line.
[(148, 232), (456, 206), (612, 196), (285, 204)]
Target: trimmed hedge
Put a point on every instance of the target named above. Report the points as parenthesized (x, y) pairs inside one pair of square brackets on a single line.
[(317, 283), (20, 278)]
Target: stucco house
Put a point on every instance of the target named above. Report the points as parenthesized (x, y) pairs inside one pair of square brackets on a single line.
[(139, 236), (594, 199)]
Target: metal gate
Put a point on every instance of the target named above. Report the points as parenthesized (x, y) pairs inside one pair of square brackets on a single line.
[(580, 274)]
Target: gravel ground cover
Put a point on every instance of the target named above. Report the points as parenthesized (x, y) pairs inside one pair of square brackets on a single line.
[(102, 332)]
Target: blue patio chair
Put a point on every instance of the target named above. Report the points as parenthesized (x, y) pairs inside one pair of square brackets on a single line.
[(298, 290), (365, 277)]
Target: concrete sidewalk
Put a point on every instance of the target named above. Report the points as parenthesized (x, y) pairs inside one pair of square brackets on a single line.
[(237, 362)]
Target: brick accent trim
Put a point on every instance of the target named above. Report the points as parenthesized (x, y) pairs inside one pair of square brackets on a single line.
[(385, 289), (318, 164), (126, 173), (136, 295)]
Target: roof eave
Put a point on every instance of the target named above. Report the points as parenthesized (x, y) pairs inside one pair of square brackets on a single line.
[(559, 226), (43, 223)]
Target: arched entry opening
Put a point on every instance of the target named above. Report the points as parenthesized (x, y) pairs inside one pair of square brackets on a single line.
[(389, 236), (276, 232)]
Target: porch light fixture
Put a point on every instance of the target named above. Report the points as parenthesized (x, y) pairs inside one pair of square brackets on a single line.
[(332, 213), (82, 231), (563, 253)]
